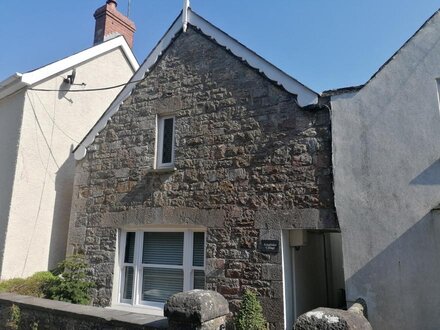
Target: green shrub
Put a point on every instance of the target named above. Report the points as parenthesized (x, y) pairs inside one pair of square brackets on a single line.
[(250, 315), (71, 284), (67, 282), (35, 285)]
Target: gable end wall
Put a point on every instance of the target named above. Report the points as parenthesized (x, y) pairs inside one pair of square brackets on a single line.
[(249, 162)]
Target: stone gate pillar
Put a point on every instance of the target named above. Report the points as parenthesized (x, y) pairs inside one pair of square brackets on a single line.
[(197, 309)]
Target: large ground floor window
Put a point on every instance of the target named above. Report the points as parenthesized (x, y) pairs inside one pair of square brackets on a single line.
[(154, 265)]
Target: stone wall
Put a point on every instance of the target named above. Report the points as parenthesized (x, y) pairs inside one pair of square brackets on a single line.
[(23, 312), (248, 163), (335, 319)]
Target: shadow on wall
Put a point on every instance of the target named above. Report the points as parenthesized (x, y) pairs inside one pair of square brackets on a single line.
[(401, 285), (63, 91), (429, 177), (63, 201)]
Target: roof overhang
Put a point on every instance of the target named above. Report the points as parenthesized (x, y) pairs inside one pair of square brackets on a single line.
[(19, 80), (11, 84)]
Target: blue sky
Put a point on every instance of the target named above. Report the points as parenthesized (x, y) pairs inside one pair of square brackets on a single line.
[(323, 43)]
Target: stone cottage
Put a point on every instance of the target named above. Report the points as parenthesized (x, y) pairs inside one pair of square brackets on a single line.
[(211, 169)]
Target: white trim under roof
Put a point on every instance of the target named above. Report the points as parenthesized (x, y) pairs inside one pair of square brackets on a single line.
[(305, 95), (20, 80), (11, 84)]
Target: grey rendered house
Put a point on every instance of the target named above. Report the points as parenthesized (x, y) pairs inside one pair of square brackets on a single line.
[(386, 147), (212, 169)]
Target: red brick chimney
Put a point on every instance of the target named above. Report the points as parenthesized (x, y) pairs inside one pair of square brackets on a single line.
[(110, 23)]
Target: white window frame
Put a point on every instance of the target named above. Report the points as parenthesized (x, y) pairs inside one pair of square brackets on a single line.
[(136, 302), (159, 141)]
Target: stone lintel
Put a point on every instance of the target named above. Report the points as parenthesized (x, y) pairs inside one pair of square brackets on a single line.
[(165, 216), (320, 219)]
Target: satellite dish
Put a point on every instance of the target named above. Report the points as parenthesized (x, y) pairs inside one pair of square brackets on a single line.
[(70, 78)]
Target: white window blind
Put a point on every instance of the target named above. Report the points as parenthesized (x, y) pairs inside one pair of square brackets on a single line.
[(155, 265), (199, 279), (163, 248), (161, 283)]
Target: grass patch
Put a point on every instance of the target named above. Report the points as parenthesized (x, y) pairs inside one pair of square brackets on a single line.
[(35, 285)]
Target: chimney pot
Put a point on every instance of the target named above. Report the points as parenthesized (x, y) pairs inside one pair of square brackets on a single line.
[(112, 3)]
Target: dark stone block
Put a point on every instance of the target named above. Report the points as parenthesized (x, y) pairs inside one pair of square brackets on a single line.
[(332, 319), (196, 306)]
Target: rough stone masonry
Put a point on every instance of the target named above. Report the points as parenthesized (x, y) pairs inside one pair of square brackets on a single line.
[(248, 163)]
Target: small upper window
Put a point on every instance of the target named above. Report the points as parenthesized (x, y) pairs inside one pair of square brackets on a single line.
[(165, 142)]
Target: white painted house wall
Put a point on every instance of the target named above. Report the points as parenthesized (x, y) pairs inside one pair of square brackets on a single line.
[(53, 124), (386, 149), (11, 112)]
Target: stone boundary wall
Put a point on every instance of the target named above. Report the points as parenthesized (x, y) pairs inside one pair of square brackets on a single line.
[(36, 313), (355, 318)]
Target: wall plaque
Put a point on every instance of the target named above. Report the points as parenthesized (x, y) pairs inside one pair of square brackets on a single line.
[(269, 246)]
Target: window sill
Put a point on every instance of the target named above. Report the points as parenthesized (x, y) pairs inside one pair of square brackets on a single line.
[(163, 170), (143, 309)]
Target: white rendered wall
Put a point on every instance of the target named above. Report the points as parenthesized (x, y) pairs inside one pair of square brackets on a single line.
[(11, 111), (386, 150), (53, 124)]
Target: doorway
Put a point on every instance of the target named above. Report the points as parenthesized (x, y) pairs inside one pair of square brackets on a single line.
[(313, 272)]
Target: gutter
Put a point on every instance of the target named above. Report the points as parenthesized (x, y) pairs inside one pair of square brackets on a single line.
[(12, 84)]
